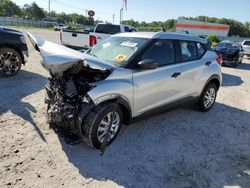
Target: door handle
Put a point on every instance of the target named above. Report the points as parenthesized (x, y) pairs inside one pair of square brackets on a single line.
[(208, 63), (176, 74)]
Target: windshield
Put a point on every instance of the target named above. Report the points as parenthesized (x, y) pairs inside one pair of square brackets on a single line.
[(117, 50)]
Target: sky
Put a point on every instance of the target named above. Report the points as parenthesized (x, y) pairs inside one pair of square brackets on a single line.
[(150, 10)]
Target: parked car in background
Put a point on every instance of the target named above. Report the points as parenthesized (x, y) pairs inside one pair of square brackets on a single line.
[(84, 40), (13, 51), (59, 27), (232, 53), (246, 47), (125, 76)]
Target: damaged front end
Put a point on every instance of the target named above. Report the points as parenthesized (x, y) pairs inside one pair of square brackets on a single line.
[(72, 76)]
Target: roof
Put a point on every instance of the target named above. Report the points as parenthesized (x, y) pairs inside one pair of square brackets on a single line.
[(162, 35)]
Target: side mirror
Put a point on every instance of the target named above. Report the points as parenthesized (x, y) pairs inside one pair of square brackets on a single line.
[(147, 64)]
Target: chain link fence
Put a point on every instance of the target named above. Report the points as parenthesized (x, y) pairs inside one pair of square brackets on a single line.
[(7, 21)]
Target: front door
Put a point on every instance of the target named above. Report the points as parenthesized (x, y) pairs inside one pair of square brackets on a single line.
[(157, 87)]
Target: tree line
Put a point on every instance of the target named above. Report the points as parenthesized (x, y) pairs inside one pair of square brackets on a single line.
[(33, 11)]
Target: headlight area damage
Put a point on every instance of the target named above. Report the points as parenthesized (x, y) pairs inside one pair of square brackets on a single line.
[(70, 80)]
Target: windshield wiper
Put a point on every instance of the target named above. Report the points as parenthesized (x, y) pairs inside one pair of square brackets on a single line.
[(89, 52)]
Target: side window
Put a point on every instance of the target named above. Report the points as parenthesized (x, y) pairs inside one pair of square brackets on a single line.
[(108, 29), (126, 29), (162, 51), (188, 51), (200, 49)]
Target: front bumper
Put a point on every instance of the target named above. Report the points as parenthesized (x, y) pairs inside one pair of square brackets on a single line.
[(231, 60), (229, 63)]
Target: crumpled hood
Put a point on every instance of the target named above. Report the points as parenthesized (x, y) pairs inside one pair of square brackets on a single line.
[(58, 58)]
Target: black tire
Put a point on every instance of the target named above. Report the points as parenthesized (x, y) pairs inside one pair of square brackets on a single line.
[(92, 121), (240, 60), (202, 105), (235, 64), (3, 52)]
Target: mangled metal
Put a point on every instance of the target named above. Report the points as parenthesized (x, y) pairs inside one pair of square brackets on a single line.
[(58, 58), (72, 75)]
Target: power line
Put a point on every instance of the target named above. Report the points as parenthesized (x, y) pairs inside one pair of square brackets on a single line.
[(68, 5)]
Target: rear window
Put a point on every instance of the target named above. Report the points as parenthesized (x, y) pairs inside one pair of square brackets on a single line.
[(246, 43), (108, 29)]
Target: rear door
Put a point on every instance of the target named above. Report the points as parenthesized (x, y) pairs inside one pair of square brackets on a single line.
[(154, 88), (190, 56)]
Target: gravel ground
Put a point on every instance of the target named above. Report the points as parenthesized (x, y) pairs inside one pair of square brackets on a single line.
[(181, 148)]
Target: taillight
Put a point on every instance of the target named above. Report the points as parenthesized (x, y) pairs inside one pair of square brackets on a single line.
[(61, 36), (92, 40), (219, 59)]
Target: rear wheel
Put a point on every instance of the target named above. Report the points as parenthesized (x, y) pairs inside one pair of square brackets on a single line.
[(96, 124), (208, 97), (10, 61)]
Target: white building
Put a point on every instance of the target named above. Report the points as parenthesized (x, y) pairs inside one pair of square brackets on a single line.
[(202, 28)]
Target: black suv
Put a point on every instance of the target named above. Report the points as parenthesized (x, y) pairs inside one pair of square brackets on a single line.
[(13, 51)]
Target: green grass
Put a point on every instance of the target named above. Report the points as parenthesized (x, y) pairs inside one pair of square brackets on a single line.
[(28, 27)]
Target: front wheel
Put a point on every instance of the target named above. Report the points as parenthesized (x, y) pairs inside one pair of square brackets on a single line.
[(208, 97), (10, 61), (96, 124)]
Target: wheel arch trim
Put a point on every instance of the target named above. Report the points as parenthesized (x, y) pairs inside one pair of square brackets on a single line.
[(124, 104), (213, 77)]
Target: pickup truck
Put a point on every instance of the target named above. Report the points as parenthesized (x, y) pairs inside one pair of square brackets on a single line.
[(13, 51), (84, 40)]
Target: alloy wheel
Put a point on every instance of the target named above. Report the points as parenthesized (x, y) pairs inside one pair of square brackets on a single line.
[(9, 63), (209, 98), (104, 124)]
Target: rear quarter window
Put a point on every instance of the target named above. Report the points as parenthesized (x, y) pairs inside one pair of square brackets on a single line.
[(200, 50)]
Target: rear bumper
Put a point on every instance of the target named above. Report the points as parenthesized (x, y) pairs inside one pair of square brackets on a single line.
[(75, 47)]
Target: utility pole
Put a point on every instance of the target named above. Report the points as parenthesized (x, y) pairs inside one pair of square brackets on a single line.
[(121, 15), (113, 18), (49, 7)]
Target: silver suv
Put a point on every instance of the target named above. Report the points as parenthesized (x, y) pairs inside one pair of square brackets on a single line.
[(126, 76)]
